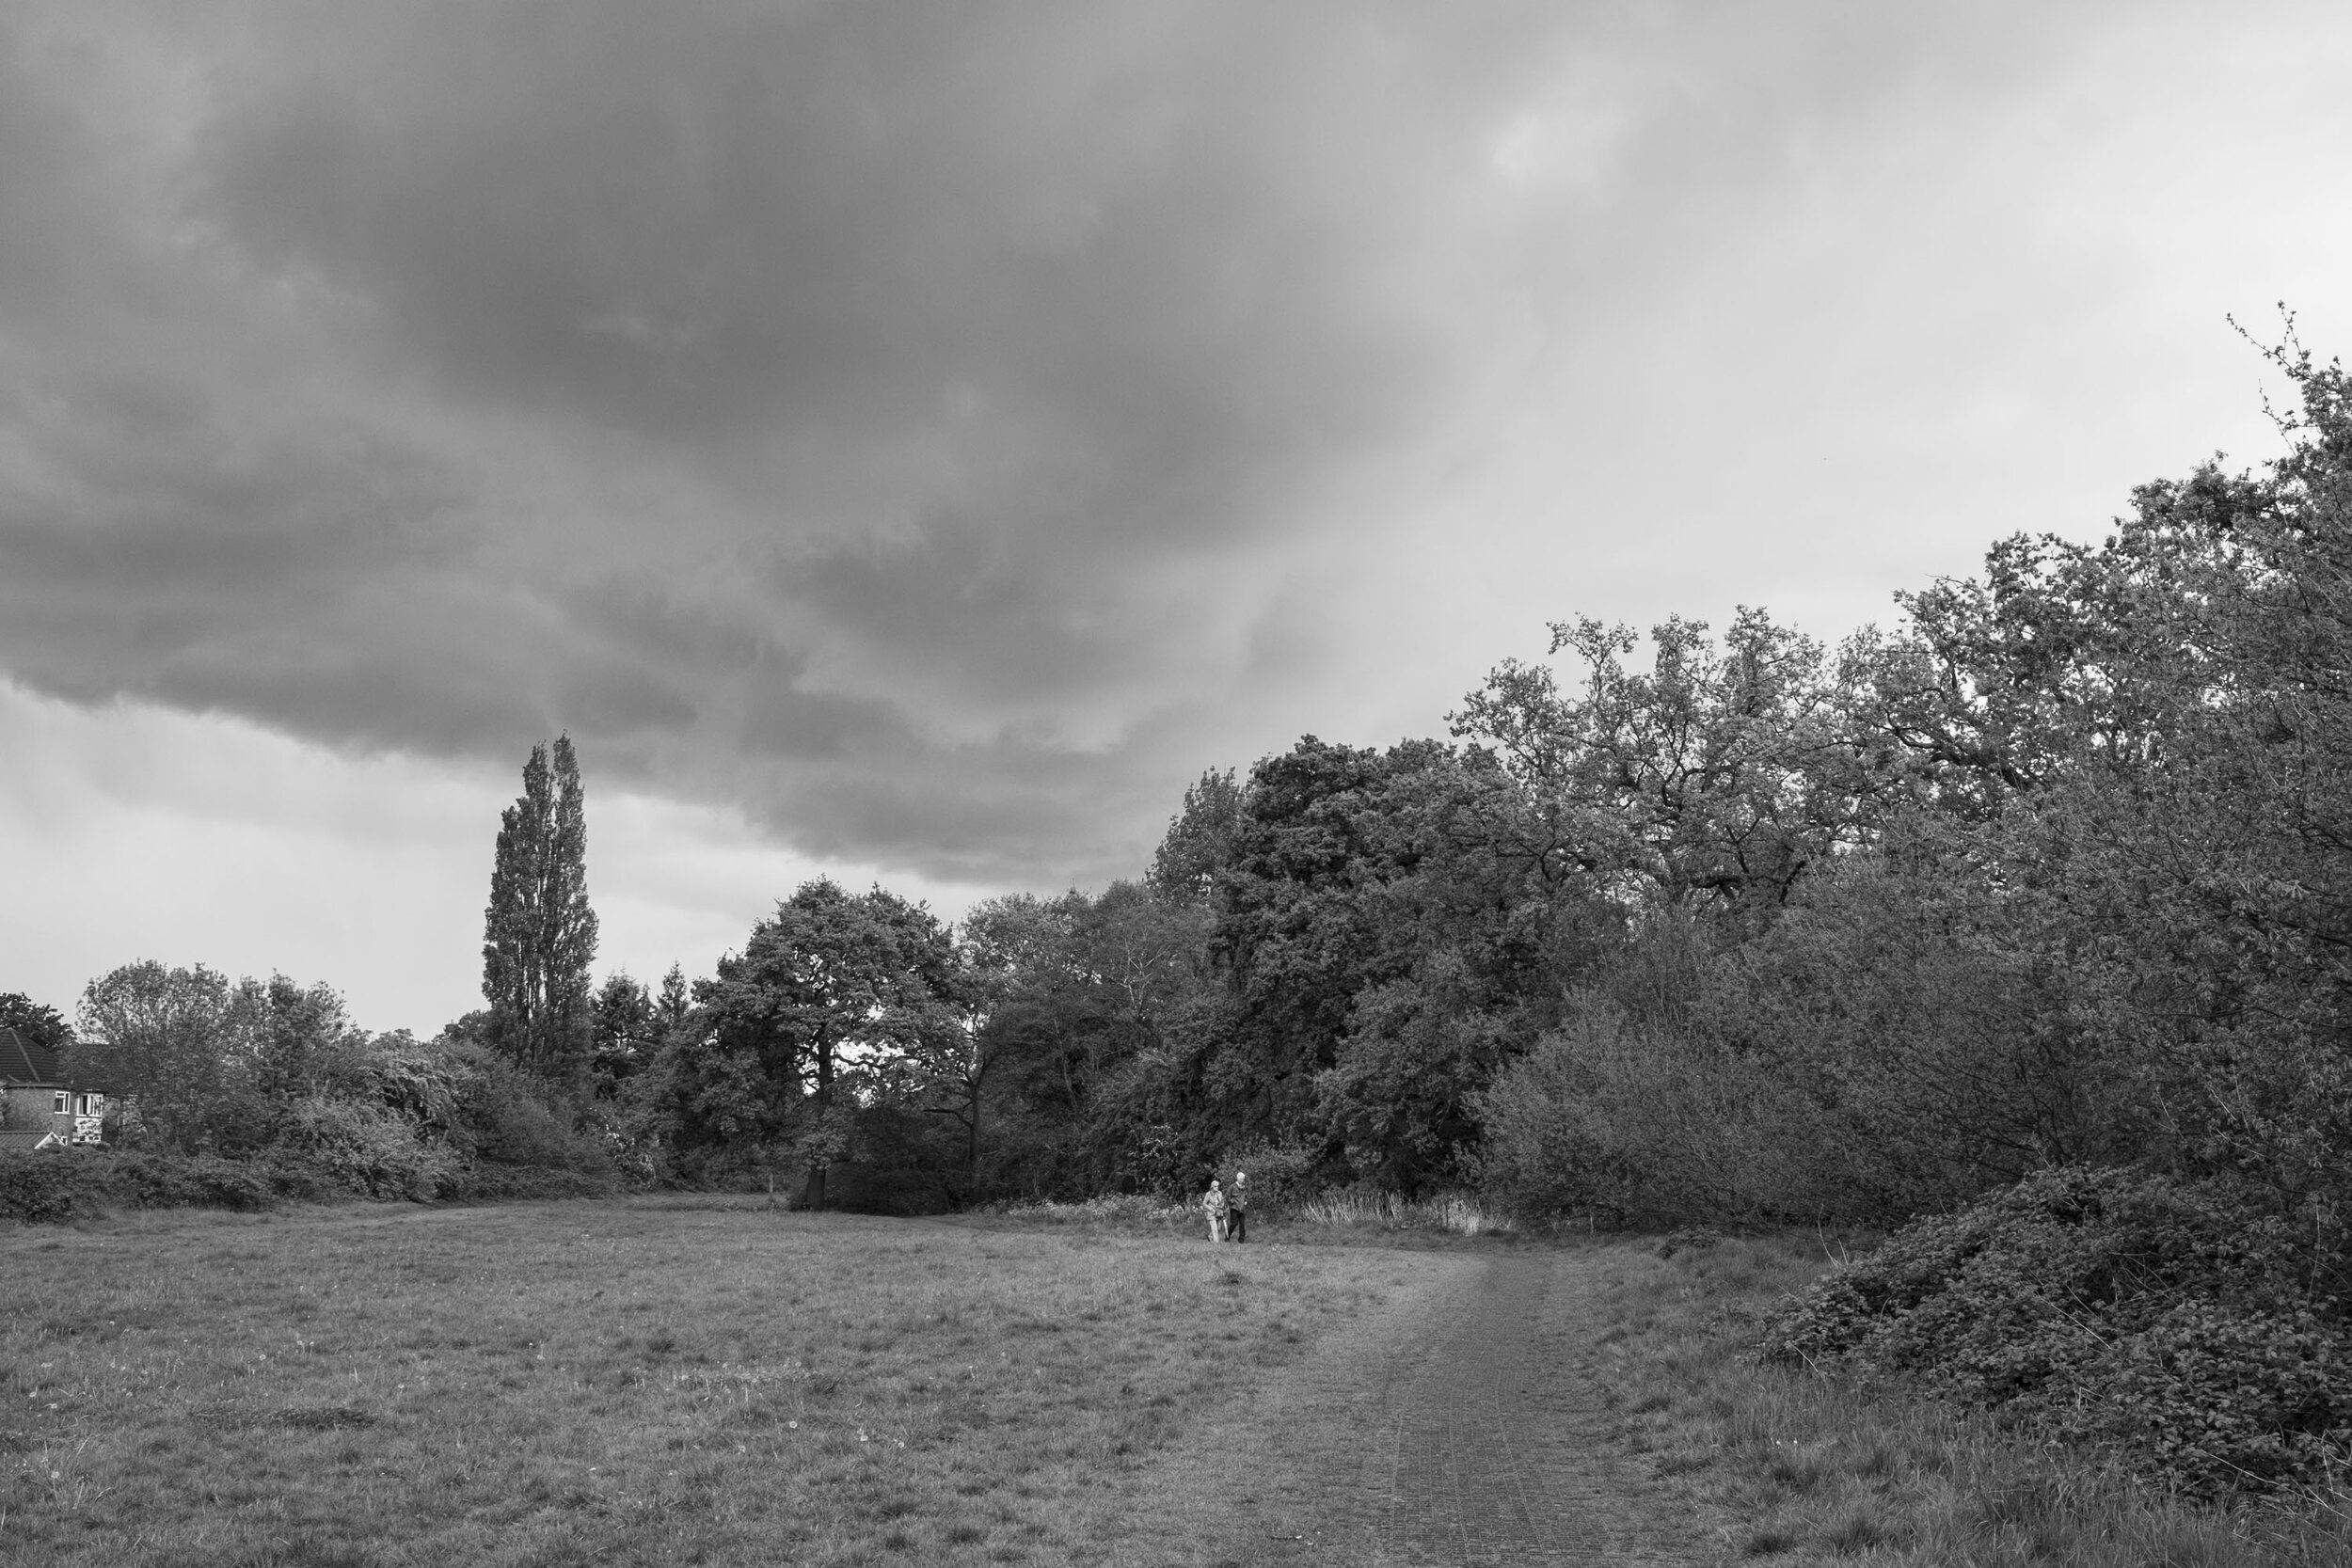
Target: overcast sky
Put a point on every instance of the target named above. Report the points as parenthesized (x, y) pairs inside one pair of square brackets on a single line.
[(911, 441)]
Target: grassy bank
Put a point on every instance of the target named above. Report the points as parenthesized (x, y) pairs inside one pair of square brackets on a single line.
[(618, 1382), (1808, 1469)]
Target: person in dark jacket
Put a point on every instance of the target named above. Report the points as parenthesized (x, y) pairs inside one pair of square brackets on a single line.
[(1237, 1208)]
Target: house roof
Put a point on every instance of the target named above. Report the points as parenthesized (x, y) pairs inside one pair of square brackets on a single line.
[(23, 1063)]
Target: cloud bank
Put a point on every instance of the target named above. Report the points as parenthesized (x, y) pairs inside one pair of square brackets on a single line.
[(937, 431)]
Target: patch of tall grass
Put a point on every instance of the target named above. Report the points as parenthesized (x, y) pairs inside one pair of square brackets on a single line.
[(1347, 1209), (1113, 1211), (1453, 1213), (1804, 1468)]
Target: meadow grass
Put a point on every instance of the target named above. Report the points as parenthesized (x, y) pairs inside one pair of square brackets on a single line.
[(1807, 1469), (621, 1382), (699, 1381)]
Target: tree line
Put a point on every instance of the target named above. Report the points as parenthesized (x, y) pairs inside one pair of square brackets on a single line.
[(1701, 925)]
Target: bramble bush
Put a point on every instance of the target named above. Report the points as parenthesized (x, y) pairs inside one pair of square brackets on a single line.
[(65, 1184), (2187, 1328), (42, 1186), (367, 1150), (145, 1181)]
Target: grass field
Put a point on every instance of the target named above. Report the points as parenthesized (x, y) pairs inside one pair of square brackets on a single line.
[(622, 1381), (708, 1382)]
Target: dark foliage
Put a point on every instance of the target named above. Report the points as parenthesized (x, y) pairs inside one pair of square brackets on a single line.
[(2196, 1330), (43, 1186), (42, 1026), (70, 1183)]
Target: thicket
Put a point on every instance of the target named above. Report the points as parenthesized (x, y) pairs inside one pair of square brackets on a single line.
[(56, 1187), (2196, 1331), (240, 1094)]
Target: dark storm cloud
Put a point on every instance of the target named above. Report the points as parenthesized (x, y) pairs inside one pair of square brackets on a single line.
[(928, 426), (867, 412), (715, 220)]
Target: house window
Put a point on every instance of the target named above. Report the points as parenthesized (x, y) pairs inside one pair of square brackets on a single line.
[(93, 1104), (59, 1103)]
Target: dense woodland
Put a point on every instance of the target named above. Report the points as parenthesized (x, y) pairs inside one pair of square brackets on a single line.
[(2058, 870)]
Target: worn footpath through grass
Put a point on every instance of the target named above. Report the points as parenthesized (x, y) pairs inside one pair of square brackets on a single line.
[(630, 1382)]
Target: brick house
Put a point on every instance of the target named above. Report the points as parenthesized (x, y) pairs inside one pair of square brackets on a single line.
[(41, 1106)]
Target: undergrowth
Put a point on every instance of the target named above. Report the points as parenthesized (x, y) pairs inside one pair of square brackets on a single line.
[(1808, 1465), (2184, 1332), (82, 1183)]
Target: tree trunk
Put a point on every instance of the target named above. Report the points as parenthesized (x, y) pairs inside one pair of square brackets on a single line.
[(972, 1145), (812, 1195)]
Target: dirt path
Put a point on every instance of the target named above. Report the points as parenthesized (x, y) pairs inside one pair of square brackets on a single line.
[(1464, 1426)]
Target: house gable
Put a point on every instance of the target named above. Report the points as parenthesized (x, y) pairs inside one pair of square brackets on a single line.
[(77, 1111), (24, 1064)]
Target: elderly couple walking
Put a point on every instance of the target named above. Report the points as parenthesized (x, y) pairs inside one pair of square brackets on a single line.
[(1229, 1212)]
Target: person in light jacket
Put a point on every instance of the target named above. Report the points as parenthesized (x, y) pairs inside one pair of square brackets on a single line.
[(1214, 1205)]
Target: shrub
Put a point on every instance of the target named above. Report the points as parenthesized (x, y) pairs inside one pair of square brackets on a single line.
[(897, 1163), (2225, 1396), (146, 1181), (500, 1115), (357, 1148), (62, 1184), (1644, 1127), (1690, 1237), (2174, 1324), (51, 1185), (856, 1188)]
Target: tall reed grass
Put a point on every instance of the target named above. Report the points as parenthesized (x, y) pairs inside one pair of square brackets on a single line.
[(1115, 1210), (1452, 1212)]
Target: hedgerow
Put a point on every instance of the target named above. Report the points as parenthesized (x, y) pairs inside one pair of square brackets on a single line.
[(68, 1183), (41, 1186), (2192, 1330)]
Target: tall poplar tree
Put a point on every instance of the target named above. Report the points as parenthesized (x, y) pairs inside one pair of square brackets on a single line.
[(540, 936)]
